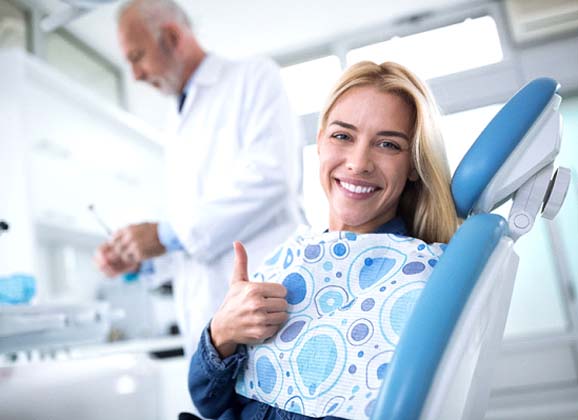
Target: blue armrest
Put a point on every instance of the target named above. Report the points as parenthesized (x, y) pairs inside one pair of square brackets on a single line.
[(425, 336)]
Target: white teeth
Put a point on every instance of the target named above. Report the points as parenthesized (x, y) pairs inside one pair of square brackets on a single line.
[(357, 188)]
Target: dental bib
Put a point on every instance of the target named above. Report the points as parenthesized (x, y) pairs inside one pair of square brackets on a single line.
[(349, 296)]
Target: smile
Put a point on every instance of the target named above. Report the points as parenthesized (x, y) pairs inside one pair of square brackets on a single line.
[(356, 188)]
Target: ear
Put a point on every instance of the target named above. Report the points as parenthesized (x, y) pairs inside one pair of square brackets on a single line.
[(318, 141), (170, 36), (413, 175)]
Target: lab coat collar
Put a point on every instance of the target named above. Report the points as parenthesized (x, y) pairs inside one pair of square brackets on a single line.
[(207, 73)]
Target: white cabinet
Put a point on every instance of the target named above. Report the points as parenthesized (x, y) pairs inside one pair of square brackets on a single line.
[(71, 149)]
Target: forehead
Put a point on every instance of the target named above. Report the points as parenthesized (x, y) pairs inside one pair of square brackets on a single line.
[(367, 106), (132, 32)]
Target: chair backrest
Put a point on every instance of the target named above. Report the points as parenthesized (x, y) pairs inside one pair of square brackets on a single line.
[(442, 365)]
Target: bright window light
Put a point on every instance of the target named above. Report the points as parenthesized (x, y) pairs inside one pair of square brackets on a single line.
[(309, 83), (451, 49), (126, 384), (461, 129)]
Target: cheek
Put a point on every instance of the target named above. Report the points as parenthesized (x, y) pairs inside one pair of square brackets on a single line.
[(396, 173), (327, 163), (324, 174)]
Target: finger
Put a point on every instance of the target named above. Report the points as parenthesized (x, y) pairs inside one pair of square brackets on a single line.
[(128, 260), (108, 270), (132, 254), (260, 334), (122, 238), (275, 305), (121, 248), (117, 246), (270, 331), (102, 251), (240, 264), (104, 257), (116, 236), (277, 318), (98, 257), (271, 290)]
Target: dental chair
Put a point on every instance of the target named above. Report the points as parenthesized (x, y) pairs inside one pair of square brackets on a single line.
[(442, 368)]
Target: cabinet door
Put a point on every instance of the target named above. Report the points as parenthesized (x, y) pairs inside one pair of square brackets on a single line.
[(83, 157)]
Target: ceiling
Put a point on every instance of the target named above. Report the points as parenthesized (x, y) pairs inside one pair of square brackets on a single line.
[(239, 28)]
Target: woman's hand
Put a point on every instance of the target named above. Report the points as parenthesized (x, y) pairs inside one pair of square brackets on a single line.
[(250, 313)]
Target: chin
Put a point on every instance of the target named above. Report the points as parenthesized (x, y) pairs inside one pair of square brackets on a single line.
[(349, 220)]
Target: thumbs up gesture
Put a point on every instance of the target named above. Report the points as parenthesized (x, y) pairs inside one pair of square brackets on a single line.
[(250, 313)]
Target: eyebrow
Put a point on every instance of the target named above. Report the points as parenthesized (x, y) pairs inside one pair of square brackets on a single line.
[(388, 133)]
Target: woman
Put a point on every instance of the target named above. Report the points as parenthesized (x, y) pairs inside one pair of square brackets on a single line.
[(384, 171)]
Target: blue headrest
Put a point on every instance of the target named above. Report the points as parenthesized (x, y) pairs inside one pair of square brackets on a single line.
[(497, 141)]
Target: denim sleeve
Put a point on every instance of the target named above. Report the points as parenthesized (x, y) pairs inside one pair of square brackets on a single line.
[(212, 380)]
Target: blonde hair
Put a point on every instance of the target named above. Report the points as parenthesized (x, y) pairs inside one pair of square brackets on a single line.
[(426, 205)]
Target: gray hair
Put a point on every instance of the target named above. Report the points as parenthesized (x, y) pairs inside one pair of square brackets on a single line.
[(156, 13)]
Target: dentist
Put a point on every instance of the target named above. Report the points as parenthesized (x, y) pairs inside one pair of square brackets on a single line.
[(233, 162)]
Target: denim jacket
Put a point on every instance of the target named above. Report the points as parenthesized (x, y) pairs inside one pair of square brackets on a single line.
[(212, 387)]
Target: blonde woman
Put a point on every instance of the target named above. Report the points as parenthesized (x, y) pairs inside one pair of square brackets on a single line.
[(312, 333)]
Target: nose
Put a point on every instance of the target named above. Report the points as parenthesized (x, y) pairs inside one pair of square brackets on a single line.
[(360, 160)]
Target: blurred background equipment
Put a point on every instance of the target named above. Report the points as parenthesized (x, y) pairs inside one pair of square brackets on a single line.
[(74, 10)]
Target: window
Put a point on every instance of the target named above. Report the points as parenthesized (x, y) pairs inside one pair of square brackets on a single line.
[(566, 223), (74, 59), (461, 130), (12, 26), (309, 83), (450, 49)]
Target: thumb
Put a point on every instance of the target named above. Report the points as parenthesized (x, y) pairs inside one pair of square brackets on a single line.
[(240, 264)]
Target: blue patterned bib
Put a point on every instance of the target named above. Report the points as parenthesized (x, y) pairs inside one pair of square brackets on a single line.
[(349, 296)]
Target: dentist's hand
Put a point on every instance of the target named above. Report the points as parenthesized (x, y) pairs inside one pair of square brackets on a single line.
[(136, 243), (112, 264), (250, 313)]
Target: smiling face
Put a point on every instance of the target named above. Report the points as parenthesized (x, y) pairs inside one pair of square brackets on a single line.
[(150, 62), (365, 158)]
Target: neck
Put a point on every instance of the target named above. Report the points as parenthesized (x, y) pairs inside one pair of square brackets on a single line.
[(336, 224), (193, 57)]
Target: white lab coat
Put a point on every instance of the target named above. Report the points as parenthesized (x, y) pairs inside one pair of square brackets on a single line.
[(233, 173)]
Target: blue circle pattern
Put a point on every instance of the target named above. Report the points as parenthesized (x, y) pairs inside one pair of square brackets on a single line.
[(292, 331), (339, 250), (346, 309), (267, 374), (313, 252), (296, 288), (367, 304), (329, 299)]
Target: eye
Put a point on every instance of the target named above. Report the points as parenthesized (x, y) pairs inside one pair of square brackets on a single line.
[(389, 145), (341, 136)]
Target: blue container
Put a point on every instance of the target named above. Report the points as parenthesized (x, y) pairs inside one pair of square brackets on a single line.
[(17, 289), (130, 277)]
